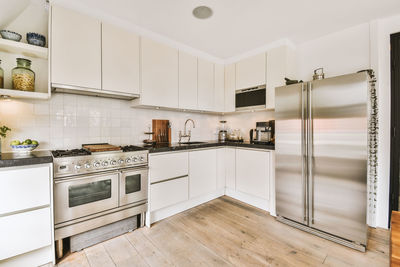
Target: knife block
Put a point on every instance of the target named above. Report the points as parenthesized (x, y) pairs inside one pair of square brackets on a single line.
[(161, 131)]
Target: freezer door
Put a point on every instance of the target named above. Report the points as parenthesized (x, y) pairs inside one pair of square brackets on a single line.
[(338, 156), (290, 168)]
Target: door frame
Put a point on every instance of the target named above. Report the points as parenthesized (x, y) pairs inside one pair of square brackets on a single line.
[(394, 123)]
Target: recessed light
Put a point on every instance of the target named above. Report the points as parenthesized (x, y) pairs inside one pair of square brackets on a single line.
[(202, 12)]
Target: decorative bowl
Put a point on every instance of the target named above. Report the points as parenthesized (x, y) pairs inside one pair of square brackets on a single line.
[(23, 148), (10, 35), (35, 39)]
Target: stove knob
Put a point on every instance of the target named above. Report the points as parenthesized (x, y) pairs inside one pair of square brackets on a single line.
[(135, 159), (96, 164), (87, 165), (141, 158), (113, 162), (120, 161), (128, 160), (78, 166), (105, 163)]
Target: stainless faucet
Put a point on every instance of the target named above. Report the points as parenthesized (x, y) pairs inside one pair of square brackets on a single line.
[(188, 135)]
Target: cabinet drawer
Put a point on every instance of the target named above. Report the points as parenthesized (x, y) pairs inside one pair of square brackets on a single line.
[(170, 192), (168, 166), (24, 188), (25, 232)]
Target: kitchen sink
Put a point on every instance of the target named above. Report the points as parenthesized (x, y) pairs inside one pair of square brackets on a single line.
[(192, 143)]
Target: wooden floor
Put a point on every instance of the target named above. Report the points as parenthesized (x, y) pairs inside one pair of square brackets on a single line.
[(226, 232)]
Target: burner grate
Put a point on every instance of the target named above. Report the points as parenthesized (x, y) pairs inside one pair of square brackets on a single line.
[(70, 153)]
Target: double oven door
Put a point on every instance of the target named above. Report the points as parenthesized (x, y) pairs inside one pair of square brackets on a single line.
[(80, 196)]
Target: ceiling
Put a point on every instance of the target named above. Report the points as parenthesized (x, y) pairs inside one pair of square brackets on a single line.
[(238, 26)]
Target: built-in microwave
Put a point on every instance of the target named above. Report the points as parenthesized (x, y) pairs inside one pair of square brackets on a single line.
[(251, 98)]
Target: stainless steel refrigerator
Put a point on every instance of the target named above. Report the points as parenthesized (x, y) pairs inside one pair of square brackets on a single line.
[(321, 157)]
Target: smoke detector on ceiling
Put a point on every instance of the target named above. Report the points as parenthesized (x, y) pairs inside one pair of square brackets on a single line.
[(202, 12)]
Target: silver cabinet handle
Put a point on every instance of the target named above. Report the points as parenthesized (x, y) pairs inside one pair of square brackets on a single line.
[(303, 152), (311, 150)]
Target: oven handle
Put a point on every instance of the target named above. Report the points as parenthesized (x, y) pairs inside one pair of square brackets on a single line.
[(141, 168), (83, 177)]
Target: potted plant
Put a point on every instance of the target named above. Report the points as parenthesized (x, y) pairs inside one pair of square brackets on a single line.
[(3, 133)]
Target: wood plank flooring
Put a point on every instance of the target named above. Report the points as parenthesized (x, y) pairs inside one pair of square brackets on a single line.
[(226, 232)]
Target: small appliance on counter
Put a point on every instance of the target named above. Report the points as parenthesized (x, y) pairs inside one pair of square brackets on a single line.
[(222, 134), (264, 133)]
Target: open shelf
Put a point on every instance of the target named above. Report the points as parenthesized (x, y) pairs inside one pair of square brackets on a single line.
[(23, 49), (23, 94)]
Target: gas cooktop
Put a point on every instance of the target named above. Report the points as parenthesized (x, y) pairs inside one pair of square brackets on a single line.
[(69, 153)]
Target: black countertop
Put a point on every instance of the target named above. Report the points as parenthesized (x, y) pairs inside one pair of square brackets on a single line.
[(176, 146), (15, 159)]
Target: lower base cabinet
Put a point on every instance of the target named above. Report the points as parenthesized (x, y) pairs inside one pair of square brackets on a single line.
[(202, 172), (252, 172), (170, 192)]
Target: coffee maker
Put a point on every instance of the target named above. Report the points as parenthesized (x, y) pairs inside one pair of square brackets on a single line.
[(264, 133)]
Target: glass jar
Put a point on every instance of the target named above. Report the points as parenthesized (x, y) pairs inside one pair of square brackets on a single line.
[(1, 77), (23, 78)]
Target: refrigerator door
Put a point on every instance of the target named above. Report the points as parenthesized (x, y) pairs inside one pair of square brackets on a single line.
[(290, 168), (338, 156)]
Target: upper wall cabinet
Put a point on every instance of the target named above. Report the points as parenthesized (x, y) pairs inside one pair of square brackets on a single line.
[(219, 90), (120, 60), (187, 81), (75, 49), (250, 72), (205, 85), (230, 87), (279, 62), (159, 72)]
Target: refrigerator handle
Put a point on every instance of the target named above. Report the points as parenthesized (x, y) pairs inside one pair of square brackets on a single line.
[(310, 152), (304, 150)]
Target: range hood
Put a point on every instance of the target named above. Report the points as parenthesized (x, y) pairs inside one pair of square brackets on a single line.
[(78, 90)]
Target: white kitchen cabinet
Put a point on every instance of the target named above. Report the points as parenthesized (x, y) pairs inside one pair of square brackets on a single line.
[(221, 168), (24, 188), (164, 194), (187, 81), (168, 165), (230, 168), (230, 87), (202, 172), (250, 72), (25, 232), (279, 62), (120, 60), (205, 85), (75, 49), (253, 172), (159, 74), (219, 88)]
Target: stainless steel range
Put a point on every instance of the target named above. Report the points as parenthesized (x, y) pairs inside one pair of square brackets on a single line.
[(95, 189)]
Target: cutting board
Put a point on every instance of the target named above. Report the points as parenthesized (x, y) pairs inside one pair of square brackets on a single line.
[(161, 131), (100, 147)]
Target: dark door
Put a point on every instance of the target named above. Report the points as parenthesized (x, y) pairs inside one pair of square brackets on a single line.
[(395, 123)]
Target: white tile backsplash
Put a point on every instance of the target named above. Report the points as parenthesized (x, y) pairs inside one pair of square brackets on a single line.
[(66, 121)]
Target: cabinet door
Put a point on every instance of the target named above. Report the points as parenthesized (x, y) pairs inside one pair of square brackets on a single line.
[(277, 60), (202, 172), (187, 81), (230, 168), (230, 87), (120, 60), (159, 74), (221, 168), (250, 72), (75, 49), (252, 172), (205, 85), (168, 193), (219, 90)]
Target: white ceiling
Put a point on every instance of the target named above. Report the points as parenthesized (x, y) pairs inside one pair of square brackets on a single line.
[(238, 26)]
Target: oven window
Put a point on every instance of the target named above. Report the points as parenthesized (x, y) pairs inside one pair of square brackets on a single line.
[(90, 192), (132, 183)]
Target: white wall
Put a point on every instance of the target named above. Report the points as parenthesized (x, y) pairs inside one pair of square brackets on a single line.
[(67, 121), (339, 53)]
